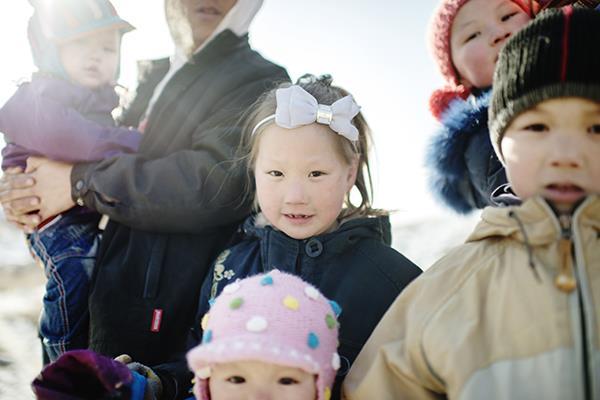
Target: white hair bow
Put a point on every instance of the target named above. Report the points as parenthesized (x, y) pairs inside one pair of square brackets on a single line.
[(297, 107)]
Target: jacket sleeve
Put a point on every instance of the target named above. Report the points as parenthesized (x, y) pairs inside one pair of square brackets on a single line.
[(45, 126), (393, 364), (187, 191)]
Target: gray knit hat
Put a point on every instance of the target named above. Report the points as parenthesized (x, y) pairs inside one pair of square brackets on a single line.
[(556, 55)]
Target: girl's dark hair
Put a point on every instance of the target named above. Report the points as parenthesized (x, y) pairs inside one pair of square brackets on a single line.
[(325, 93)]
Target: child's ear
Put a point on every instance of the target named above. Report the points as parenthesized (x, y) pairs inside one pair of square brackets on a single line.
[(352, 172)]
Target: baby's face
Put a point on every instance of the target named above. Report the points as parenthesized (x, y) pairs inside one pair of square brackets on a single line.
[(92, 61), (553, 150), (259, 380), (480, 29)]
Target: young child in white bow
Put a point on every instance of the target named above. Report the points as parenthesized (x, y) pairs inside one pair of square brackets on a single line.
[(305, 148)]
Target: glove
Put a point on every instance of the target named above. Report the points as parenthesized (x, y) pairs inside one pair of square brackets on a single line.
[(153, 383)]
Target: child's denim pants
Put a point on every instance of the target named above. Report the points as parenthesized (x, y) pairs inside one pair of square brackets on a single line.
[(67, 248)]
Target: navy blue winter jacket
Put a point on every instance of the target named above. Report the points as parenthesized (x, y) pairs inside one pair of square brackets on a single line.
[(463, 169), (354, 265)]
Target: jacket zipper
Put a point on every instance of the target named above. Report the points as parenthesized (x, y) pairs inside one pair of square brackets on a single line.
[(566, 281)]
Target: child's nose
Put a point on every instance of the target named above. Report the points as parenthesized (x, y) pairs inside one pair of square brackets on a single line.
[(261, 394), (499, 34), (566, 152), (295, 193)]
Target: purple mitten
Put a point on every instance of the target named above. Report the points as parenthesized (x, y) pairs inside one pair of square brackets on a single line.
[(83, 374)]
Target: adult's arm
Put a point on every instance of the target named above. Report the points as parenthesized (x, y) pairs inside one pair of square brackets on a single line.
[(48, 125), (187, 191)]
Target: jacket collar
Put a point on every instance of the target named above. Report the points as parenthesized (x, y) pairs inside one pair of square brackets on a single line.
[(534, 216), (347, 233)]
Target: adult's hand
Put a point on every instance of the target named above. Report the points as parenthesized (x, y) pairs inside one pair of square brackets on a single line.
[(52, 185), (20, 206)]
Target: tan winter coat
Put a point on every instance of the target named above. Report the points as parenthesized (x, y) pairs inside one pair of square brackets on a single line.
[(488, 320)]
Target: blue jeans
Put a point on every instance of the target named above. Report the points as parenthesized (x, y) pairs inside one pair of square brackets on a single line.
[(67, 248)]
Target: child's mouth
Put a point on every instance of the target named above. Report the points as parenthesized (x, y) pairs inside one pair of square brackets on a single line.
[(298, 218), (564, 192)]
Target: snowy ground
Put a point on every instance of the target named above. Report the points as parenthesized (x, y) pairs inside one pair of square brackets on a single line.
[(423, 240)]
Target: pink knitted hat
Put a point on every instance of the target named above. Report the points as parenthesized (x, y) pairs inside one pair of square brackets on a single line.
[(274, 318), (440, 28)]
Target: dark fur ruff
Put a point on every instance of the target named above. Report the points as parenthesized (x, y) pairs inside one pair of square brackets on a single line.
[(445, 157)]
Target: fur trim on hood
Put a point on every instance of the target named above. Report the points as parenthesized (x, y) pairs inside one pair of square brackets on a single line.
[(445, 157)]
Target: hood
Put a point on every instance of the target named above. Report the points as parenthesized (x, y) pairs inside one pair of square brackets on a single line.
[(445, 161), (377, 228), (534, 219), (237, 20), (59, 21)]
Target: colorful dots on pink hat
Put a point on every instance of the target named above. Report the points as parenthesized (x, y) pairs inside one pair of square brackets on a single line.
[(291, 302), (231, 288), (275, 318), (257, 324), (313, 340), (311, 293), (236, 303), (266, 281), (337, 310)]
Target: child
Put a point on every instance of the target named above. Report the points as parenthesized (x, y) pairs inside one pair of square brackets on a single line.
[(271, 336), (465, 38), (64, 113), (514, 313), (306, 147)]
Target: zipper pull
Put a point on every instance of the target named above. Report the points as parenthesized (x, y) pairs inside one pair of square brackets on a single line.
[(565, 281)]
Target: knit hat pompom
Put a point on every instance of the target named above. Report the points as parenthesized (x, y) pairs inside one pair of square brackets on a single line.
[(276, 318), (554, 56), (441, 98)]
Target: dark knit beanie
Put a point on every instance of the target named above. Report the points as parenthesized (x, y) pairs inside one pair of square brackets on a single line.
[(555, 55)]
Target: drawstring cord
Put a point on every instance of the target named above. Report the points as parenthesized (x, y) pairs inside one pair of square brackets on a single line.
[(514, 215), (565, 280)]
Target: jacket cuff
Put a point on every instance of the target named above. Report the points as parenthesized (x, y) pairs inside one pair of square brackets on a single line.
[(79, 183)]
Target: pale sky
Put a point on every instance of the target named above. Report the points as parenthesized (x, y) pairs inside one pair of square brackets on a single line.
[(374, 49)]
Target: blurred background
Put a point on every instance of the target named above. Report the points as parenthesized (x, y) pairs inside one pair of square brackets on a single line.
[(374, 49)]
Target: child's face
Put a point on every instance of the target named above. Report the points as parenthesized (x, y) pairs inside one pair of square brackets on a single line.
[(92, 60), (478, 32), (259, 380), (301, 179), (553, 150)]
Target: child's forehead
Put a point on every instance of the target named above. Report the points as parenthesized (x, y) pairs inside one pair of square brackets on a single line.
[(255, 366), (476, 10), (109, 35)]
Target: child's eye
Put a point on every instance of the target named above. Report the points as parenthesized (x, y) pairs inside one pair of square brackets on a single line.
[(288, 381), (236, 379), (472, 36), (595, 129), (508, 16), (536, 127), (275, 173), (316, 174)]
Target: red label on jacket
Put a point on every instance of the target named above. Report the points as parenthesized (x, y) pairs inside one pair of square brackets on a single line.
[(156, 320)]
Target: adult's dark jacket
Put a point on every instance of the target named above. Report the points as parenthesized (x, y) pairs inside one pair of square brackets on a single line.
[(463, 168), (353, 265), (174, 205)]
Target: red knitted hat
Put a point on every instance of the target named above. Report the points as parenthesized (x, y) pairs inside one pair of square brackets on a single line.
[(440, 28)]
